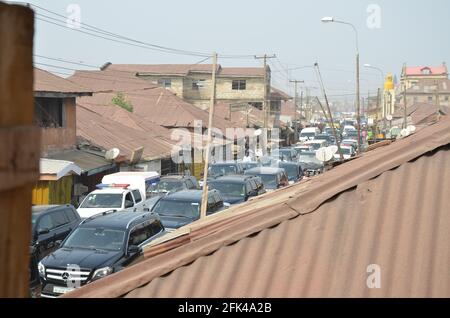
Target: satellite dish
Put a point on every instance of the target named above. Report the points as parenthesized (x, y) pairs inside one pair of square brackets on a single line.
[(404, 133), (112, 154), (324, 154), (389, 117), (334, 149), (411, 128), (258, 132)]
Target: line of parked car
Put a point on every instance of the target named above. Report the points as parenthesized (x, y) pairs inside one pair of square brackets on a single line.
[(72, 247)]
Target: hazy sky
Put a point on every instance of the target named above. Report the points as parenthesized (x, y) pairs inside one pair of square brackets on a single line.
[(411, 31)]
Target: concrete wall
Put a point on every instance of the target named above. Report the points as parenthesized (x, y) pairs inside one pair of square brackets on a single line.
[(177, 82), (64, 137)]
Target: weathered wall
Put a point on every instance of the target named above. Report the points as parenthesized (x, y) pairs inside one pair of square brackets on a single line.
[(64, 137), (177, 82)]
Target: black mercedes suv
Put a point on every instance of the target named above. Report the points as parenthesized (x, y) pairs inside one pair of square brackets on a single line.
[(102, 244)]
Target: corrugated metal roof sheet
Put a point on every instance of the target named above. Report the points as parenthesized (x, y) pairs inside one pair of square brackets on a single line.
[(108, 133), (163, 69), (104, 81), (47, 82), (85, 160), (59, 168), (388, 207)]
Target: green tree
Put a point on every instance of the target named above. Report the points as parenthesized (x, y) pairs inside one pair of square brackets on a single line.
[(120, 101)]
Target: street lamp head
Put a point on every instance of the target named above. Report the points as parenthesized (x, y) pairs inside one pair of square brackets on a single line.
[(367, 65), (327, 19)]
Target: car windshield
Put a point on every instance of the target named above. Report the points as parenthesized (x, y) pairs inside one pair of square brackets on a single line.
[(307, 157), (102, 200), (291, 170), (222, 170), (175, 208), (228, 189), (346, 151), (96, 238), (168, 185), (315, 146), (270, 180), (307, 134), (249, 165)]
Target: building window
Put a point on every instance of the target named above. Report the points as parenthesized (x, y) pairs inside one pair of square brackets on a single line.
[(430, 98), (426, 71), (197, 84), (165, 82), (49, 112), (239, 85), (446, 98)]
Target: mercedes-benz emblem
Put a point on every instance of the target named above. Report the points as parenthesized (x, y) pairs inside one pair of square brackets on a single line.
[(65, 275)]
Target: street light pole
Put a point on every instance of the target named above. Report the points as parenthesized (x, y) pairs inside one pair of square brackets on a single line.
[(383, 104), (358, 101)]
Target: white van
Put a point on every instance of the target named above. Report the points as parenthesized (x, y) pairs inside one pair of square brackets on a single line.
[(309, 133), (135, 179)]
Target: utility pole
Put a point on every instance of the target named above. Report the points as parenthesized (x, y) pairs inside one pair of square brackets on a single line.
[(358, 116), (405, 123), (266, 105), (295, 108), (338, 143), (208, 144)]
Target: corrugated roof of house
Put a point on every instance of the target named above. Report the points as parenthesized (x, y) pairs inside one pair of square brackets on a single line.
[(47, 82), (388, 207), (85, 160), (417, 70), (58, 168), (159, 106), (161, 69), (108, 133), (104, 81)]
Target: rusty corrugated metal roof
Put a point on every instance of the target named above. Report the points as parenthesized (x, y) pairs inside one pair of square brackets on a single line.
[(388, 207), (46, 82)]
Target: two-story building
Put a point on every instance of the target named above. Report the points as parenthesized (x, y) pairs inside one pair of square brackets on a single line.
[(411, 75), (65, 171), (431, 91), (193, 82)]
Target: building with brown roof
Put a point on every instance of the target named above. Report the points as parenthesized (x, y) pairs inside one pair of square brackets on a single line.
[(54, 99), (376, 226), (193, 82)]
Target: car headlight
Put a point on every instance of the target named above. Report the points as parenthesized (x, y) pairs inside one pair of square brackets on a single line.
[(102, 272), (41, 269)]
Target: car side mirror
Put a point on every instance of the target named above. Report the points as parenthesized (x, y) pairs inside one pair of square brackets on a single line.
[(43, 231), (133, 249)]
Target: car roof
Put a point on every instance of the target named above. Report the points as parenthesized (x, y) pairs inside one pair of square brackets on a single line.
[(174, 177), (233, 178), (225, 163), (186, 195), (315, 141), (264, 170), (38, 209), (286, 163), (110, 190), (117, 220), (303, 153)]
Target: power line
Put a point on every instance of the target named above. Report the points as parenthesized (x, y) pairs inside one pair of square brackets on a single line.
[(107, 35)]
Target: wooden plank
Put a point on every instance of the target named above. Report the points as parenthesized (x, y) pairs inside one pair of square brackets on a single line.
[(16, 109)]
